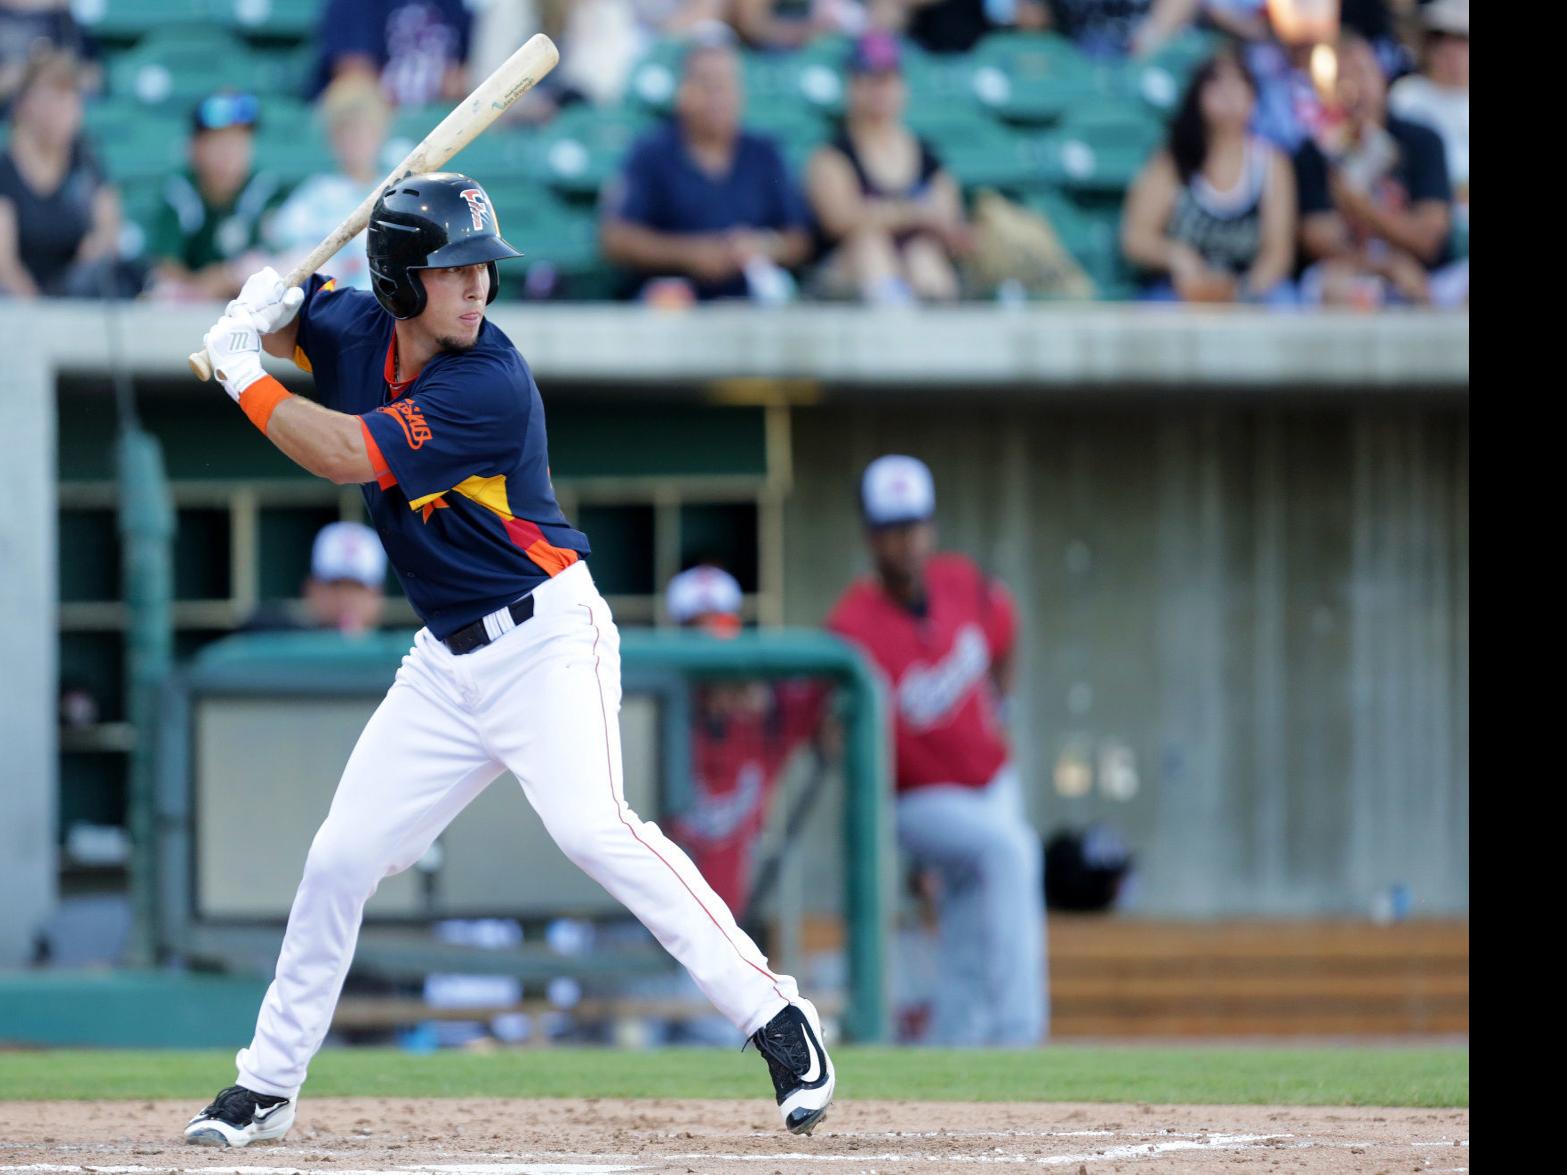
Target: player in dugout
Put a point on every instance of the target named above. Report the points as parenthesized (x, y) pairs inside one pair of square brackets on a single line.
[(432, 411), (345, 591), (943, 634), (743, 735)]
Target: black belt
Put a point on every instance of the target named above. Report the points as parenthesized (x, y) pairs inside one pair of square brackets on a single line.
[(474, 636)]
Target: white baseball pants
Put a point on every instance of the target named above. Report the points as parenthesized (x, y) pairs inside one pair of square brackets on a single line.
[(991, 971), (541, 701)]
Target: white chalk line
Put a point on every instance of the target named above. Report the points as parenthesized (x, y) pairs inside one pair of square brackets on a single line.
[(1123, 1153)]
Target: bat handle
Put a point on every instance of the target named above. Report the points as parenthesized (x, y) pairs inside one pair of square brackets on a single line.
[(200, 365)]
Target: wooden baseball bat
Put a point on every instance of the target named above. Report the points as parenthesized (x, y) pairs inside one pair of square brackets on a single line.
[(513, 78)]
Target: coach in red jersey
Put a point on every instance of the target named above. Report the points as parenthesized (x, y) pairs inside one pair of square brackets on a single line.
[(943, 636)]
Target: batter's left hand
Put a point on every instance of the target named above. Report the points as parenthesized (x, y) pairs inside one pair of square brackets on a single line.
[(234, 346), (270, 303)]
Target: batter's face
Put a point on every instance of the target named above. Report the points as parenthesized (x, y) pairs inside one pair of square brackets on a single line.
[(900, 554), (454, 305)]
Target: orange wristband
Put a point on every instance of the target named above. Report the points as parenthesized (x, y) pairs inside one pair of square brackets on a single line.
[(260, 400)]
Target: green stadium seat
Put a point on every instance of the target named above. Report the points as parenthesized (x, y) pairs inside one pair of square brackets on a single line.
[(582, 148), (811, 77), (1032, 77), (550, 233), (291, 142), (544, 227), (141, 198), (942, 81), (976, 150), (134, 143), (807, 80), (798, 129), (1101, 148), (653, 80), (1161, 80), (278, 19), (126, 21), (1092, 236), (502, 149), (178, 66), (1458, 242)]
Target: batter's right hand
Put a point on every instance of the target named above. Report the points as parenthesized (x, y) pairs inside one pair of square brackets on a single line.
[(269, 303)]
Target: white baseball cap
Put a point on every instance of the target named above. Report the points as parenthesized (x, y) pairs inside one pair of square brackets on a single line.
[(897, 489), (1447, 16), (348, 550), (702, 591)]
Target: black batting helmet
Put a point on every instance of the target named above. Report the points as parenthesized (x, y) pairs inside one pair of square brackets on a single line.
[(439, 220)]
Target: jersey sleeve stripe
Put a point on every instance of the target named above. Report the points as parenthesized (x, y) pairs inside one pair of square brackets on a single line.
[(384, 477)]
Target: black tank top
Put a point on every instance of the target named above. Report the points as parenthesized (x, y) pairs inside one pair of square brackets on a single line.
[(50, 226), (929, 165)]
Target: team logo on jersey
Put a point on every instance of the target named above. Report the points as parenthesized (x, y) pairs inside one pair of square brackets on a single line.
[(478, 206), (928, 694), (407, 414)]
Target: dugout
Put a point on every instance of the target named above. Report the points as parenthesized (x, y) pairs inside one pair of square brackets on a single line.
[(1240, 542)]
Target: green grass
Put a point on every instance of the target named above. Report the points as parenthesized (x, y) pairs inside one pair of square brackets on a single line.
[(1348, 1076)]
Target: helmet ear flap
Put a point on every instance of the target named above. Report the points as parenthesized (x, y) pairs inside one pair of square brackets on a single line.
[(413, 295), (495, 283)]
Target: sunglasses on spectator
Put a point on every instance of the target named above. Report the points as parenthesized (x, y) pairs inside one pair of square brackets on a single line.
[(220, 111)]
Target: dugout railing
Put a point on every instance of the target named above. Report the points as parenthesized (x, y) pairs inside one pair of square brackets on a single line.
[(295, 684)]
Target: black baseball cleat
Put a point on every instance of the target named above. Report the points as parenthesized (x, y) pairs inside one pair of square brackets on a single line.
[(802, 1072), (239, 1117)]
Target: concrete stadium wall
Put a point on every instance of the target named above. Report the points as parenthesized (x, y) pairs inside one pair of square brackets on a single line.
[(1245, 628), (28, 763)]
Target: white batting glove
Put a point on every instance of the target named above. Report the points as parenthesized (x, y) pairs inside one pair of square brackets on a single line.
[(270, 304), (234, 346)]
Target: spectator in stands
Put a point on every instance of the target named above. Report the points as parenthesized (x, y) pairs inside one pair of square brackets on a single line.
[(1439, 97), (345, 591), (956, 26), (1118, 28), (944, 636), (31, 27), (356, 117), (601, 40), (1213, 213), (1289, 104), (208, 233), (1375, 202), (892, 216), (59, 216), (743, 735), (789, 24), (704, 200), (416, 49)]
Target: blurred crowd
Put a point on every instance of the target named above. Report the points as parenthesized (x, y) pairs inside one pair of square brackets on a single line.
[(1318, 156)]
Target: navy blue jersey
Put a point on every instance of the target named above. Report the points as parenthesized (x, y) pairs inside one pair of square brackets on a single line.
[(465, 508)]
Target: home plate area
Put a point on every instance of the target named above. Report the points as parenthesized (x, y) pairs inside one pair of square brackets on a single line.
[(439, 1136)]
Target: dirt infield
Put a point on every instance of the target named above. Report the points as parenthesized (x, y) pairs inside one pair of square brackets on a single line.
[(394, 1136)]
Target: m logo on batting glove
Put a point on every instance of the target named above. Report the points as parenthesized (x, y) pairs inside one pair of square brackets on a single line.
[(477, 206), (407, 414)]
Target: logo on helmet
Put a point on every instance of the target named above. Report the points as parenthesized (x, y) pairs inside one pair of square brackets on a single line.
[(478, 206)]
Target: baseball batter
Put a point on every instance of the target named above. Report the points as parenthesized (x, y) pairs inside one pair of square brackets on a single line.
[(434, 413), (943, 636)]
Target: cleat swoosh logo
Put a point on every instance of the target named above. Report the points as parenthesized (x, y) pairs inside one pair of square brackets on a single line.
[(813, 1073), (261, 1115)]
